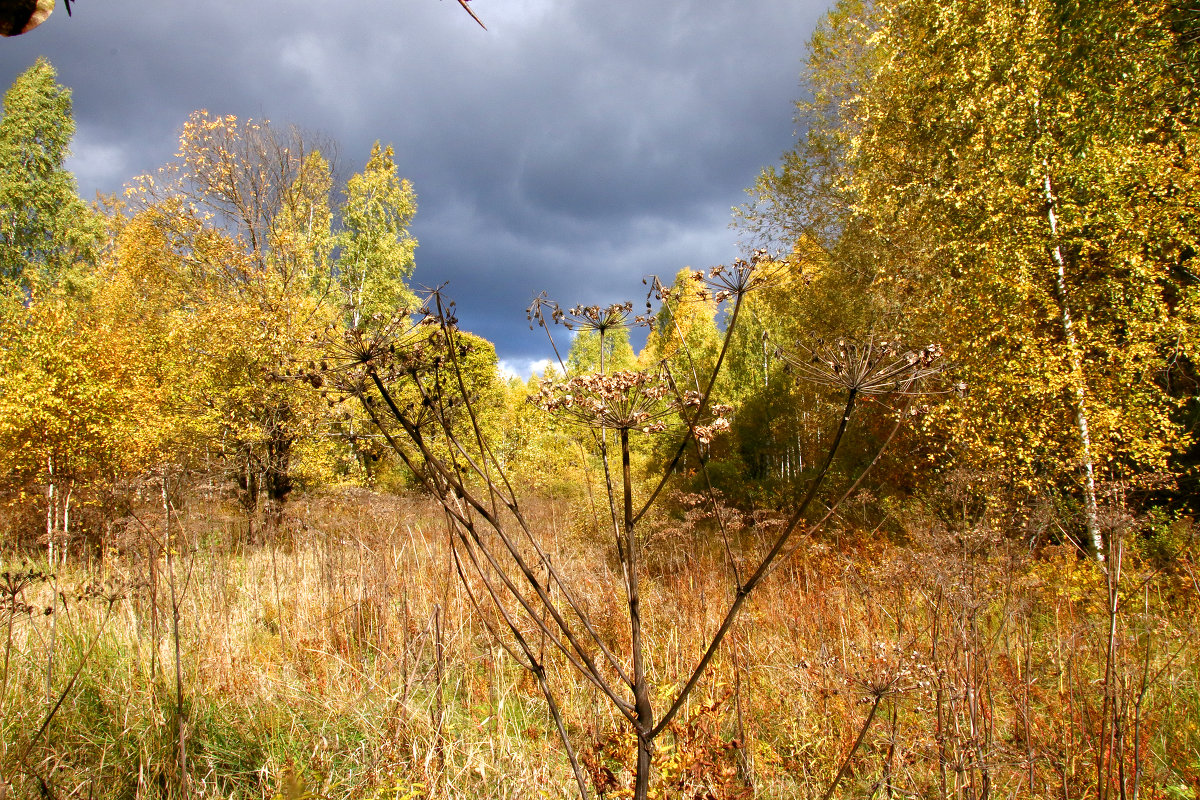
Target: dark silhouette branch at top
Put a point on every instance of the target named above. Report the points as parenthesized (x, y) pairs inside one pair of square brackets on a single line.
[(22, 16), (467, 8)]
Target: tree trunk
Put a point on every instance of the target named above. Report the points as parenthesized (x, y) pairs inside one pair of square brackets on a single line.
[(51, 512), (277, 479), (1075, 361)]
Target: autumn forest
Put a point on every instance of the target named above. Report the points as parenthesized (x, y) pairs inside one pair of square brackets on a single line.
[(899, 504)]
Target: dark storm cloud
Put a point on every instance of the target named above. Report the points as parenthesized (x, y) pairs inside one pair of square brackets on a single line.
[(573, 147)]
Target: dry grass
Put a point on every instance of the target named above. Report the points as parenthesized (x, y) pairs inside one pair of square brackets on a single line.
[(342, 659)]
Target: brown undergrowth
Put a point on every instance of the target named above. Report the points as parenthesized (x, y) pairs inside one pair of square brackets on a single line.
[(341, 658)]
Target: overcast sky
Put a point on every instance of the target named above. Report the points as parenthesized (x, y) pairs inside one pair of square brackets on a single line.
[(574, 146)]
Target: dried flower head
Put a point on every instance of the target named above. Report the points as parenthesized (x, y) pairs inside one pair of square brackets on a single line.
[(618, 401), (718, 283), (373, 343), (583, 318), (631, 400), (742, 275), (389, 346), (13, 584), (868, 368)]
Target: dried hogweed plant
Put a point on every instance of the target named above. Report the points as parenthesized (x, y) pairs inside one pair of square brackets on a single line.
[(410, 378), (638, 401), (18, 760), (600, 320), (865, 367)]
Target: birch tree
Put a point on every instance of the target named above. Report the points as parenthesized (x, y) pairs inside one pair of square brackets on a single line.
[(1020, 174), (375, 258), (46, 230)]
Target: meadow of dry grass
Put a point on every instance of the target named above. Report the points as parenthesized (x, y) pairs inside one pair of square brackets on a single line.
[(341, 658)]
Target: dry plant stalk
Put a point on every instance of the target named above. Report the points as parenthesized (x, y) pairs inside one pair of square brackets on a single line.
[(411, 381)]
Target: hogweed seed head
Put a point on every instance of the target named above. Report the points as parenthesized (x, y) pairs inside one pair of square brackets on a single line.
[(629, 400), (868, 368), (583, 318)]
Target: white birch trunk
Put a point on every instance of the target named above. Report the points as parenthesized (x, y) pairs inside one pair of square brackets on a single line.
[(66, 523), (1075, 358), (51, 512)]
